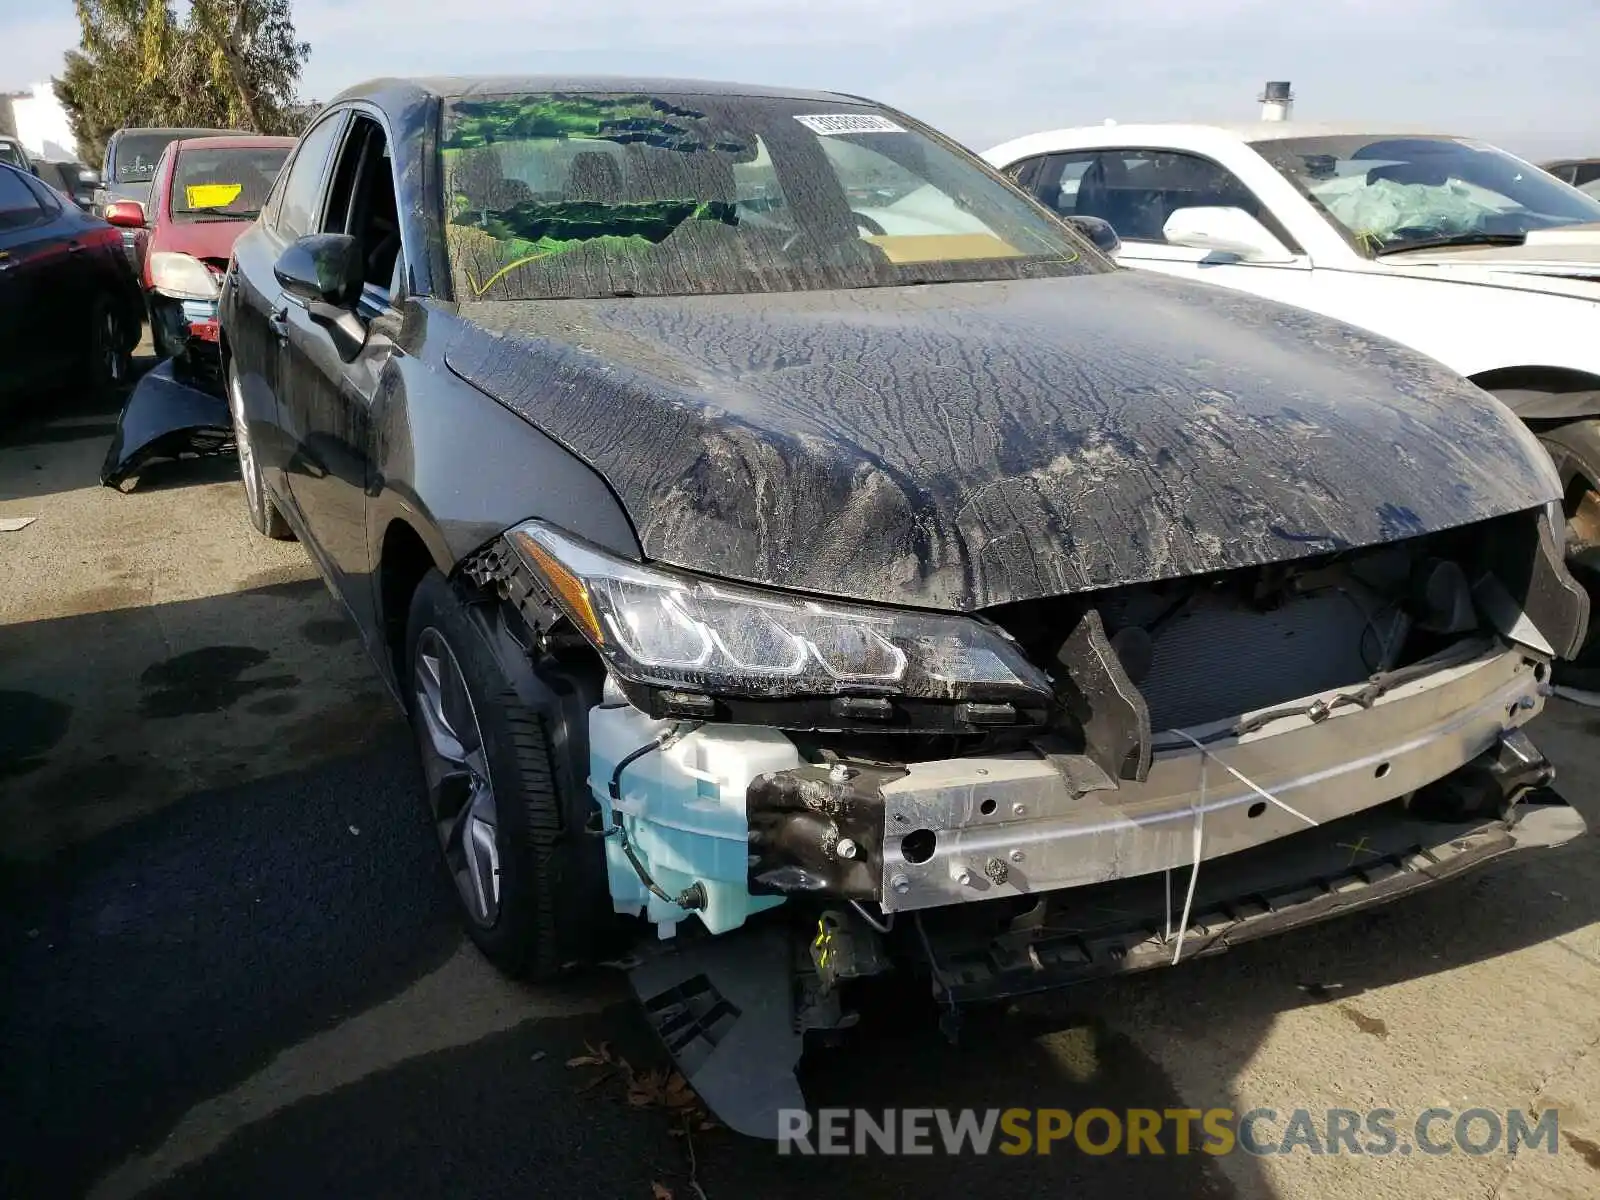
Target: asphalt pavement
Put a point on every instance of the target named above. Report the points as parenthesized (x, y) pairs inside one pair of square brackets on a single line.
[(231, 966)]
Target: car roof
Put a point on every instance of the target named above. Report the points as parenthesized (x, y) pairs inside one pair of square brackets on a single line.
[(190, 131), (235, 141), (1155, 133), (458, 86)]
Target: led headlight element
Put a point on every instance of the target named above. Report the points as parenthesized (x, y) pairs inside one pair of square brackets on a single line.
[(672, 629)]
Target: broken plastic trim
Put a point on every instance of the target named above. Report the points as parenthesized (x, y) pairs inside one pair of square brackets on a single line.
[(165, 419), (1118, 927)]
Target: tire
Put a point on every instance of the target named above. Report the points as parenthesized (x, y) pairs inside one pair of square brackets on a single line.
[(546, 916), (259, 505), (107, 362), (1575, 449)]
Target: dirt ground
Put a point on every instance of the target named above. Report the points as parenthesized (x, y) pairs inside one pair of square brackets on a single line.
[(232, 968)]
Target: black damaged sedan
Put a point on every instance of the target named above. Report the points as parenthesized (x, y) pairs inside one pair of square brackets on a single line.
[(785, 535)]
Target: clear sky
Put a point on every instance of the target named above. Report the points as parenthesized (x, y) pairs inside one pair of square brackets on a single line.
[(1524, 73)]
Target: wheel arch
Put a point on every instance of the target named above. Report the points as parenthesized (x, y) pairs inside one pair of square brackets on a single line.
[(1541, 394), (405, 555)]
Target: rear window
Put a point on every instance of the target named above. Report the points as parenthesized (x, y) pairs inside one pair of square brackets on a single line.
[(135, 155), (224, 184)]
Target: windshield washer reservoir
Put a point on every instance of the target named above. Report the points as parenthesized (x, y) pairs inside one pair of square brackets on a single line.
[(683, 811)]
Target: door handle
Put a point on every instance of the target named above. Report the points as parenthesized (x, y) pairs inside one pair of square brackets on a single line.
[(76, 247), (278, 318)]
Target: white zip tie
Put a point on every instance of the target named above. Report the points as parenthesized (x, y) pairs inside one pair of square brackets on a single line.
[(1254, 787), (1167, 881), (1200, 833), (1194, 868)]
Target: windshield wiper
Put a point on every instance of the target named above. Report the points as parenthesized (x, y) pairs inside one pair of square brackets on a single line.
[(1455, 239)]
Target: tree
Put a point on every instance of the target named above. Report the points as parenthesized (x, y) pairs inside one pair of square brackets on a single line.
[(230, 64), (251, 44)]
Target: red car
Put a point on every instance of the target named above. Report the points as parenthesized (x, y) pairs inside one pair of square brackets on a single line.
[(205, 193)]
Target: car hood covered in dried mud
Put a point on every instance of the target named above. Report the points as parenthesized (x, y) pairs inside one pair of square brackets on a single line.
[(969, 444)]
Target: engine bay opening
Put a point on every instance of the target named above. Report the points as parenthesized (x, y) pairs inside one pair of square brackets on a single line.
[(1202, 649)]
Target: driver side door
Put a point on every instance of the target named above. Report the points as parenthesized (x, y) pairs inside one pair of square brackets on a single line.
[(327, 398)]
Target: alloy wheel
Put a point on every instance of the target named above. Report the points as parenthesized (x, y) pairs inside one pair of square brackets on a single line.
[(241, 442), (111, 349), (456, 771)]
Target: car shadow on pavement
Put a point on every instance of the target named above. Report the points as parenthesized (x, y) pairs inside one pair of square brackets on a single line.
[(165, 961)]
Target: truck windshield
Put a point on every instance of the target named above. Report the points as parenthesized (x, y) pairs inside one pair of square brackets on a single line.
[(135, 154), (592, 195)]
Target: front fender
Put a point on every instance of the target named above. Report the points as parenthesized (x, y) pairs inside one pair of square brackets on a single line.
[(460, 469)]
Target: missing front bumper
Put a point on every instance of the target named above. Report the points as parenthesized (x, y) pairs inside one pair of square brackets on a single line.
[(1362, 861), (1006, 826)]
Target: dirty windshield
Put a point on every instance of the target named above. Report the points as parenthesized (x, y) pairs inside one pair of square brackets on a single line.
[(561, 195), (226, 184), (137, 155), (1394, 194)]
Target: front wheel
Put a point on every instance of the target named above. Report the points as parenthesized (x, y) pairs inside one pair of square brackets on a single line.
[(263, 512), (513, 844), (1575, 449)]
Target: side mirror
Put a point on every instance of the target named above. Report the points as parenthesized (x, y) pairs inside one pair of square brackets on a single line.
[(126, 214), (1230, 231), (323, 273), (1098, 230)]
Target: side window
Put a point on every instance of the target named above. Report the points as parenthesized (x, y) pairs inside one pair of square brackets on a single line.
[(49, 199), (269, 210), (1056, 181), (1023, 172), (1137, 190), (19, 207), (362, 203), (297, 203)]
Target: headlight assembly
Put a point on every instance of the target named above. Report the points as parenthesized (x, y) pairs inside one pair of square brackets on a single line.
[(182, 276), (671, 629)]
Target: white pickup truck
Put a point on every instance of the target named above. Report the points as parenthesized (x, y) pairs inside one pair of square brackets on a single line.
[(1446, 244)]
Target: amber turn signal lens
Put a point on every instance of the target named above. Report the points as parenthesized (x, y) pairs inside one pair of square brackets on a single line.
[(567, 587)]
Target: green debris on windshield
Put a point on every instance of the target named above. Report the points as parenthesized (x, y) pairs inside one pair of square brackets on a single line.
[(511, 180), (623, 119), (577, 221)]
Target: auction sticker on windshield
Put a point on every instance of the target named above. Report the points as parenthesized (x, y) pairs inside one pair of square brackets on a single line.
[(212, 195), (829, 124)]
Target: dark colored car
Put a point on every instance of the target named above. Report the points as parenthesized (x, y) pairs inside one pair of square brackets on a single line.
[(205, 193), (14, 154), (69, 306), (780, 528), (72, 179), (1581, 173)]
